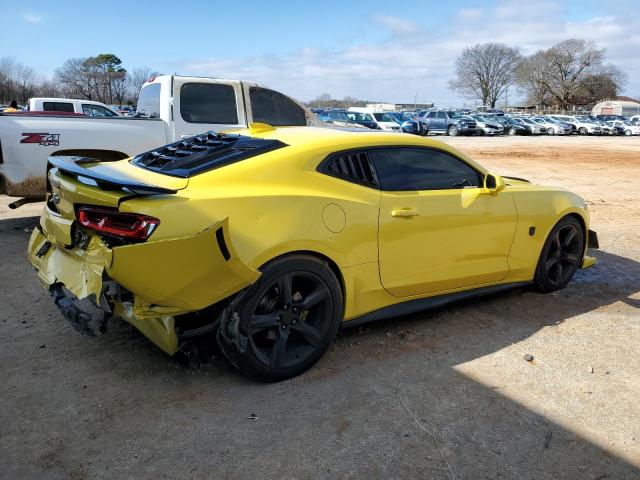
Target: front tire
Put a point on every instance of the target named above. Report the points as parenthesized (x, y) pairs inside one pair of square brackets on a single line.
[(561, 255), (287, 319), (452, 131), (512, 131), (582, 131), (627, 133)]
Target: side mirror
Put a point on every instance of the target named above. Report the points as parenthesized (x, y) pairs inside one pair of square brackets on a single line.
[(493, 183)]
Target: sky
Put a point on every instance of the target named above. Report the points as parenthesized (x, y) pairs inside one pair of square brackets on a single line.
[(371, 49)]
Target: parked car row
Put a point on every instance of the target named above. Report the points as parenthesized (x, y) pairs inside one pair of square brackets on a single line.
[(456, 122)]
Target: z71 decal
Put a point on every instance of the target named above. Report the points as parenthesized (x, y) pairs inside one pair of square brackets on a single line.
[(44, 139)]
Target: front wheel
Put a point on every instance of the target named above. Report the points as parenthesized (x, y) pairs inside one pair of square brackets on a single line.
[(452, 131), (582, 131), (284, 322), (551, 131), (512, 131), (627, 133), (561, 255)]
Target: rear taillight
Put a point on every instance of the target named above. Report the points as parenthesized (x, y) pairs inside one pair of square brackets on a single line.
[(133, 226)]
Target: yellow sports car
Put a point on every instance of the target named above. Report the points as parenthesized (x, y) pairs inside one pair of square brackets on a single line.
[(265, 240)]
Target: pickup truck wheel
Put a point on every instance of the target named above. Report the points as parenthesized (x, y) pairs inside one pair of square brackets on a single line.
[(452, 131), (512, 131), (288, 318), (561, 255), (582, 131), (627, 133)]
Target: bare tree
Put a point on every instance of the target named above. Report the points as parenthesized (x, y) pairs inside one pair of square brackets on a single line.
[(75, 79), (17, 81), (569, 73), (531, 78), (485, 72), (138, 77)]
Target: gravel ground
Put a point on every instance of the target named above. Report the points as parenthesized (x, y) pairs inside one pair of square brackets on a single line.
[(402, 399)]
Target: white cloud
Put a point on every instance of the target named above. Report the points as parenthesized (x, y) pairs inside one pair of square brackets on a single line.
[(396, 25), (422, 60), (33, 17), (470, 13)]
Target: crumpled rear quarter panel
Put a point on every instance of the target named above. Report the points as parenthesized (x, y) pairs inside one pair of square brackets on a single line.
[(188, 273)]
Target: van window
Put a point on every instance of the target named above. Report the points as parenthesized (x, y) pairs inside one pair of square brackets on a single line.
[(149, 101), (58, 107), (208, 103), (275, 108)]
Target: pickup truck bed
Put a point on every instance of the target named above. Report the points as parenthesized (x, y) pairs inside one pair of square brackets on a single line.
[(40, 136)]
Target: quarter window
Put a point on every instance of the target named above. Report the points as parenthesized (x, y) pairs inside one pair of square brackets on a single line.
[(208, 103), (275, 108), (406, 168)]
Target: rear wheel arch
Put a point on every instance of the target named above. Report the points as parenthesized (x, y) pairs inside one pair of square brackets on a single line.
[(333, 266), (100, 154)]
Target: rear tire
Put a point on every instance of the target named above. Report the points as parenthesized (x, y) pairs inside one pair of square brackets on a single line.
[(289, 318), (561, 255)]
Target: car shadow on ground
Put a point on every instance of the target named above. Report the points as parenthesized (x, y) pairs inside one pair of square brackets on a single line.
[(66, 397)]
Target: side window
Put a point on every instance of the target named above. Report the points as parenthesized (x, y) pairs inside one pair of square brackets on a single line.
[(96, 111), (431, 115), (442, 115), (208, 103), (58, 107), (403, 169), (103, 112), (275, 108)]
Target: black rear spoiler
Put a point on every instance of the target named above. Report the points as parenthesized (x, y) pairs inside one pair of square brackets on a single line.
[(70, 165)]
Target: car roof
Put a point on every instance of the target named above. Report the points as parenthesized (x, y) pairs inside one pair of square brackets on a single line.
[(333, 140)]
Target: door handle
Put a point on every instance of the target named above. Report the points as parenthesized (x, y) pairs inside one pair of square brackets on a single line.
[(404, 212)]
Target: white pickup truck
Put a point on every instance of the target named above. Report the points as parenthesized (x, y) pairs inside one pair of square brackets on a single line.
[(170, 107), (69, 105)]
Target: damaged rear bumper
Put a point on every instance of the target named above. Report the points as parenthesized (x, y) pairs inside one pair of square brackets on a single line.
[(146, 284)]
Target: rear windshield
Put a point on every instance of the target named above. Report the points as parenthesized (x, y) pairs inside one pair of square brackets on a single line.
[(208, 103), (202, 153), (149, 101)]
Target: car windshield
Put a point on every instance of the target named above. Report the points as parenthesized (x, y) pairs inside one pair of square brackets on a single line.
[(383, 117), (454, 114)]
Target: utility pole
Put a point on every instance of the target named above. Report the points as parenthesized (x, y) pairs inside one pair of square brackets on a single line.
[(415, 101)]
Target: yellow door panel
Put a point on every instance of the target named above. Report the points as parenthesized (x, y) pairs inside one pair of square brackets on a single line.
[(436, 240)]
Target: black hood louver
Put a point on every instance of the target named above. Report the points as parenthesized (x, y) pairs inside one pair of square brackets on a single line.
[(204, 152)]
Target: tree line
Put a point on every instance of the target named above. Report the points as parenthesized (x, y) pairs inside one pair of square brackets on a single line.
[(570, 73), (102, 78)]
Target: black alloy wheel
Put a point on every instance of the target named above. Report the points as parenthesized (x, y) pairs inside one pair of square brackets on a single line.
[(561, 255), (289, 318)]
